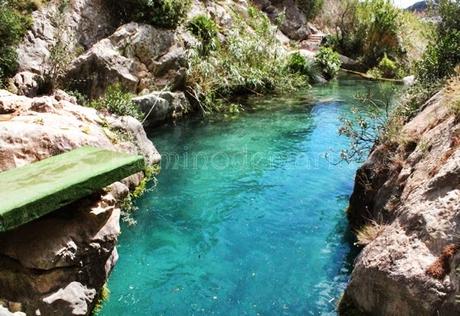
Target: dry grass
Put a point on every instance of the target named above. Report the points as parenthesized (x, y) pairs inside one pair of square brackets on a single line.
[(368, 233), (452, 93), (441, 267)]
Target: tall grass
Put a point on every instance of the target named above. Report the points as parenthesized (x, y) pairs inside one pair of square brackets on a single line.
[(250, 60)]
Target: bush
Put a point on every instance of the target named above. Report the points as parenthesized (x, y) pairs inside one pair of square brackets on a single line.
[(161, 13), (251, 60), (443, 54), (13, 26), (386, 68), (117, 101), (298, 64), (204, 29), (328, 61), (310, 8), (368, 30)]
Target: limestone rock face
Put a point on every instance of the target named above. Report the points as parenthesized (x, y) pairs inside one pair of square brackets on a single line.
[(412, 189), (295, 25), (88, 20), (135, 55), (162, 106), (58, 264)]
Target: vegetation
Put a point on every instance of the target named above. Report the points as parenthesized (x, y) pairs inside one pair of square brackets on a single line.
[(206, 30), (14, 21), (117, 101), (298, 64), (386, 68), (443, 54), (438, 64), (368, 233), (161, 13), (249, 61), (374, 30), (310, 8), (328, 61)]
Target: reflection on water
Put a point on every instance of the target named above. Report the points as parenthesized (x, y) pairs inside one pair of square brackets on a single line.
[(248, 216)]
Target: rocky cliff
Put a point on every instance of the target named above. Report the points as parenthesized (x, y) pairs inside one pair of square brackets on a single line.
[(58, 264), (406, 205)]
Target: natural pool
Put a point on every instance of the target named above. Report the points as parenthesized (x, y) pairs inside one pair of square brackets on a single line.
[(248, 215)]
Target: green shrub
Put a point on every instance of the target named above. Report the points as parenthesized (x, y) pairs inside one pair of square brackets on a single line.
[(251, 60), (161, 13), (206, 30), (117, 101), (328, 61), (443, 54), (310, 8), (13, 26), (369, 29), (387, 68), (298, 64)]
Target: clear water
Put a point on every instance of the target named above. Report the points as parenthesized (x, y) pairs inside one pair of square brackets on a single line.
[(248, 216)]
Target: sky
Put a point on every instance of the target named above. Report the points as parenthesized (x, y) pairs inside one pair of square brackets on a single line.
[(404, 3)]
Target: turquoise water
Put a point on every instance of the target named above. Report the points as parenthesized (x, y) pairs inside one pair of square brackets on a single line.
[(248, 214)]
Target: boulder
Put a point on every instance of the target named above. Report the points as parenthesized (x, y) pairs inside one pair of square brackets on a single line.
[(74, 299), (25, 83), (409, 80), (136, 55), (410, 188), (162, 106), (57, 265), (89, 20), (295, 25)]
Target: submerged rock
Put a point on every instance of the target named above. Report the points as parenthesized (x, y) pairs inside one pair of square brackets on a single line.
[(412, 189)]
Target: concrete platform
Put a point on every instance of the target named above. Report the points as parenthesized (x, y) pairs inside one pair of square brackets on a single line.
[(35, 190)]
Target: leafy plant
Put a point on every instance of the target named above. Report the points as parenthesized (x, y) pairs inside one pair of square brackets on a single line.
[(443, 54), (298, 64), (328, 61), (310, 8), (249, 61), (162, 13), (13, 26), (117, 101), (386, 68), (205, 29)]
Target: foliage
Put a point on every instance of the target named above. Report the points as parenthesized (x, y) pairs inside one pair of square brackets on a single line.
[(205, 29), (13, 25), (329, 62), (249, 61), (310, 8), (443, 54), (366, 128), (161, 13), (386, 68), (117, 101), (369, 29), (301, 65), (62, 52)]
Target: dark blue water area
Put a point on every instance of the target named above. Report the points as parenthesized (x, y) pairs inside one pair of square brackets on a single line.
[(248, 216)]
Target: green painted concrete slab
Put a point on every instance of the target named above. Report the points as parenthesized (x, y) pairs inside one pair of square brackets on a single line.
[(32, 191)]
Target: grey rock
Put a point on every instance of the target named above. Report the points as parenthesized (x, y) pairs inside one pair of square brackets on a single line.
[(162, 106), (135, 55), (74, 299), (413, 189), (90, 20)]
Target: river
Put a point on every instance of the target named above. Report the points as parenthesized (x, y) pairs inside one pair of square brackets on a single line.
[(248, 216)]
